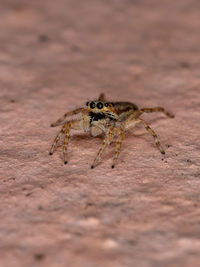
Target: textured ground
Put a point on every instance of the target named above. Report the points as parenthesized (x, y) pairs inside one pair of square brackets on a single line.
[(54, 56)]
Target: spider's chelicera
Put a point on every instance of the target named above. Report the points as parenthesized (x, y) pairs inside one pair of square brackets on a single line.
[(110, 118)]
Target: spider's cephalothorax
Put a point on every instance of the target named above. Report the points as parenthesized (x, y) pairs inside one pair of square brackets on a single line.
[(110, 118)]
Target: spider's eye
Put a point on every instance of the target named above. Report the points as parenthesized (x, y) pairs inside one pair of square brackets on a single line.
[(99, 105), (92, 105), (106, 104), (87, 103)]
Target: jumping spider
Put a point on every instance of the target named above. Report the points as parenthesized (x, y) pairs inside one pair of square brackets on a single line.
[(111, 118)]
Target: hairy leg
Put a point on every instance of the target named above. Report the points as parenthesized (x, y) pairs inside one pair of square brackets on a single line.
[(137, 113), (118, 147), (108, 139), (66, 141), (156, 109), (57, 138), (70, 113), (131, 123), (76, 125)]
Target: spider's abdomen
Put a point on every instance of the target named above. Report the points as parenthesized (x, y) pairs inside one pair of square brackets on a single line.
[(124, 107)]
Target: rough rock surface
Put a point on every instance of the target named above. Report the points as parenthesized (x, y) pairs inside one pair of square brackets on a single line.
[(55, 55)]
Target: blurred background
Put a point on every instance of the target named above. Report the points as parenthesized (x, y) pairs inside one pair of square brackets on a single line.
[(56, 55)]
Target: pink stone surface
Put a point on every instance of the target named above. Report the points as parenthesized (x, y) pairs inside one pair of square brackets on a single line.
[(56, 55)]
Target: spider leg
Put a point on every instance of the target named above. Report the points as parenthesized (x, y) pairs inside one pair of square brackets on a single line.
[(70, 113), (57, 138), (156, 109), (101, 97), (135, 121), (108, 139), (66, 141), (76, 125), (118, 147)]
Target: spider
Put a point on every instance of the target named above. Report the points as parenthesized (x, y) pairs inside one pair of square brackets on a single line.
[(110, 118)]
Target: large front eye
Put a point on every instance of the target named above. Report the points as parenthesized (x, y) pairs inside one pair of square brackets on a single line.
[(99, 105), (92, 105)]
